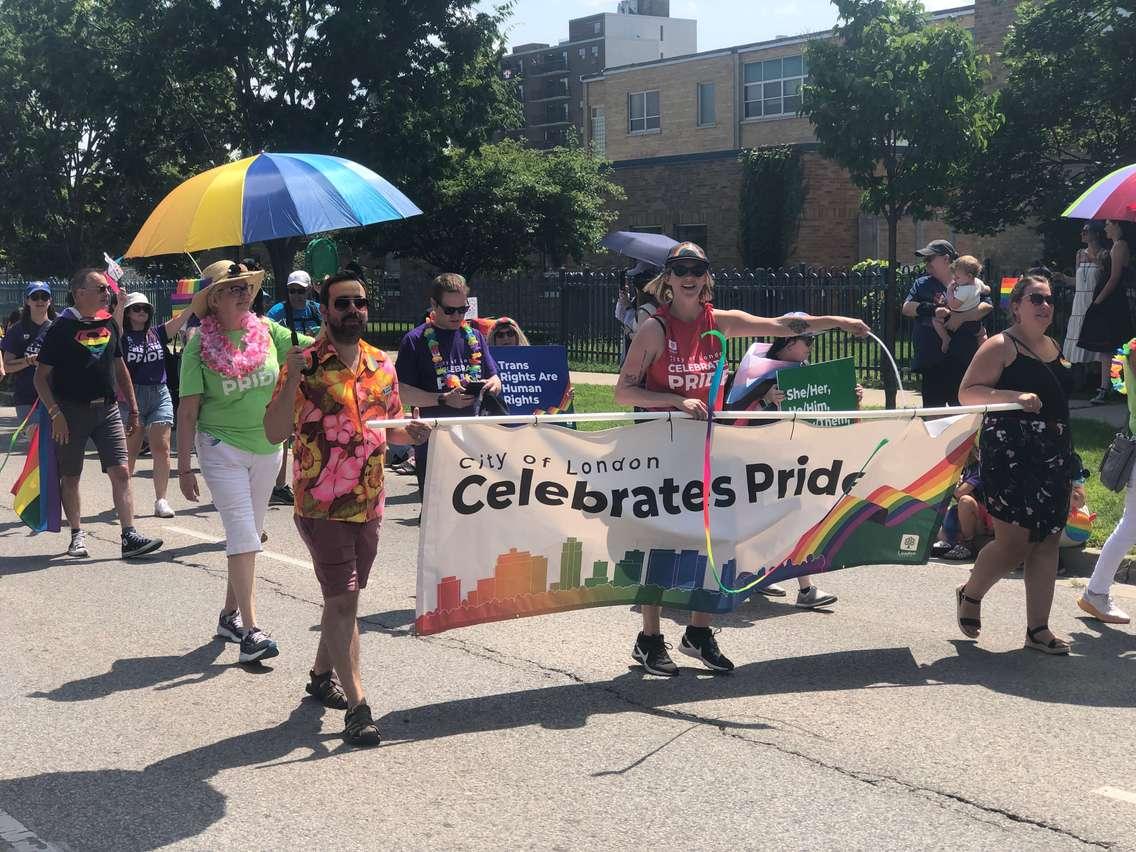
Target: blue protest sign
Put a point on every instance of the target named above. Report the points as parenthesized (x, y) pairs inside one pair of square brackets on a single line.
[(534, 379)]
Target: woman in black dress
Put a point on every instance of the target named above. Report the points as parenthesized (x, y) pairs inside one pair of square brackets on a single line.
[(1027, 461), (1108, 321)]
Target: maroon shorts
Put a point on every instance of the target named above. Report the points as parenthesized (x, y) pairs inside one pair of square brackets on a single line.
[(342, 551)]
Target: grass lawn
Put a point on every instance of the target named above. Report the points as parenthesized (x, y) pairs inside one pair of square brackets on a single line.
[(1091, 437)]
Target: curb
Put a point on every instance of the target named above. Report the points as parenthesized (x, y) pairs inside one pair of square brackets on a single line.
[(1080, 562)]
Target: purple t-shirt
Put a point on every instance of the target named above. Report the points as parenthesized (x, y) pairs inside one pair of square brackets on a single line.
[(415, 367), (145, 353), (23, 339)]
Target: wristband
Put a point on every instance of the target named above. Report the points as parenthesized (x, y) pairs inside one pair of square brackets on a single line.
[(441, 400)]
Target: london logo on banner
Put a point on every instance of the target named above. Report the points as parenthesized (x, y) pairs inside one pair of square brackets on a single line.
[(541, 519)]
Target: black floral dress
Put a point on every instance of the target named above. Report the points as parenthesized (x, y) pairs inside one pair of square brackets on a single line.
[(1028, 461)]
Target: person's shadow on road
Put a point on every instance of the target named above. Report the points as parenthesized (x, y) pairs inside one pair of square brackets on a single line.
[(168, 801)]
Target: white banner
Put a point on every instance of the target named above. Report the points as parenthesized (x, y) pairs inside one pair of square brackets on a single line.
[(537, 519)]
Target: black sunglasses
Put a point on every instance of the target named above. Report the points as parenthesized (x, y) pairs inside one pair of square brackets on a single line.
[(681, 270), (1041, 298), (142, 308), (101, 288), (460, 309), (297, 291), (344, 302), (40, 297)]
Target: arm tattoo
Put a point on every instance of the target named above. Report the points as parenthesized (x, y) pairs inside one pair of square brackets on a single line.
[(794, 324), (634, 378)]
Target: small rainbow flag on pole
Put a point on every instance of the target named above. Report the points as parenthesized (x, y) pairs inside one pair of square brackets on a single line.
[(1006, 289), (36, 490), (183, 294)]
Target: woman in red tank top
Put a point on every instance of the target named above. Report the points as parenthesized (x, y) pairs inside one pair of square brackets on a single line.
[(670, 365)]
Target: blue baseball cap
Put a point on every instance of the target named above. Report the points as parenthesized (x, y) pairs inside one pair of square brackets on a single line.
[(37, 287)]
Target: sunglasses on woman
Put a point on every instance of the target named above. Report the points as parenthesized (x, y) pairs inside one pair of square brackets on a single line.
[(297, 291), (460, 309), (345, 302), (681, 270), (139, 309), (40, 297), (1041, 299)]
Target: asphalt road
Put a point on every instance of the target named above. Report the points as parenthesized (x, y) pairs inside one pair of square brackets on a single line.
[(126, 726)]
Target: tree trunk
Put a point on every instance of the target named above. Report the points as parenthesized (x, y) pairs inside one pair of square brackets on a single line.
[(891, 312)]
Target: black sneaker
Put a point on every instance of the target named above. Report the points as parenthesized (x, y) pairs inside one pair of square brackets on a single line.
[(136, 544), (282, 496), (359, 727), (230, 627), (257, 645), (699, 642), (651, 653), (327, 689)]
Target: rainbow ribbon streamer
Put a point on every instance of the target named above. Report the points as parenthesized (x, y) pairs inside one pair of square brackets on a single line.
[(1006, 288), (716, 405)]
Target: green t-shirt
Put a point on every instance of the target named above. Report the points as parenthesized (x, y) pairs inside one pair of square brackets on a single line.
[(232, 410)]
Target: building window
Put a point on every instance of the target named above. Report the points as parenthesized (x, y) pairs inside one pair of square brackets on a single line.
[(642, 112), (660, 32), (773, 87), (555, 112), (706, 114), (595, 50), (599, 133), (596, 26), (647, 229), (582, 52), (694, 234)]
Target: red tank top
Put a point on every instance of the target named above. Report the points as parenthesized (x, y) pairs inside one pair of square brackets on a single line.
[(687, 363)]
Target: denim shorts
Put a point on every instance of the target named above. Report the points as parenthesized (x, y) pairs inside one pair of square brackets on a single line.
[(154, 405)]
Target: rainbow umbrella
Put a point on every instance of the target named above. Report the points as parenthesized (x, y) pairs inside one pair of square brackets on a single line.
[(268, 197), (1111, 197)]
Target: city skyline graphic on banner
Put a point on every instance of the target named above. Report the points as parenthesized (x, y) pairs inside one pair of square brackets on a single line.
[(856, 531)]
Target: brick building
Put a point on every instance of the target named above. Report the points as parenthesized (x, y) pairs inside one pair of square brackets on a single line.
[(674, 128), (548, 76)]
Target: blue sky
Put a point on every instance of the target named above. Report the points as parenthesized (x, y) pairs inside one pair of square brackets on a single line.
[(721, 23)]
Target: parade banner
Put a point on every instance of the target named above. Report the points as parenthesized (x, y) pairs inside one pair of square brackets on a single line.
[(828, 386), (534, 379), (540, 519)]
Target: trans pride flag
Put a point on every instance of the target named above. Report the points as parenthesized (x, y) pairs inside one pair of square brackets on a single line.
[(183, 293), (36, 490)]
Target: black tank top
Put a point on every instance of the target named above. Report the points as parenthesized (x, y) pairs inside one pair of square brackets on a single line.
[(1052, 381)]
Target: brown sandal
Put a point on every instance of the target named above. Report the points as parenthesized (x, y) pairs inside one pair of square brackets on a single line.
[(970, 627)]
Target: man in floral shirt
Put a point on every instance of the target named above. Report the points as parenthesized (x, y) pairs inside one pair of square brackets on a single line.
[(338, 480)]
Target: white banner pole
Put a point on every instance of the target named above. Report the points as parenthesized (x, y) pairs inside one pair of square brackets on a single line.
[(633, 416)]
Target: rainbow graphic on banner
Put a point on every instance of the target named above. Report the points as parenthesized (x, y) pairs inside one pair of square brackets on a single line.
[(1004, 291), (184, 292), (36, 490), (886, 505)]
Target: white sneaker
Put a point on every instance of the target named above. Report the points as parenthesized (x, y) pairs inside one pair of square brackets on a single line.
[(1102, 608), (162, 508), (814, 598)]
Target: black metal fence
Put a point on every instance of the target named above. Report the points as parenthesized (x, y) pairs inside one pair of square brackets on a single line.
[(576, 309)]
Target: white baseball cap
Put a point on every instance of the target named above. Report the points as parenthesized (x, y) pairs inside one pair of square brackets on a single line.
[(300, 277)]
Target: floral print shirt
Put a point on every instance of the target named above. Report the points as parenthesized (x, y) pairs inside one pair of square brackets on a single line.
[(337, 467)]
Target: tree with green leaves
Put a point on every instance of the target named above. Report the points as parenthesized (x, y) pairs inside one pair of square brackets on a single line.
[(1069, 102), (496, 208), (899, 103)]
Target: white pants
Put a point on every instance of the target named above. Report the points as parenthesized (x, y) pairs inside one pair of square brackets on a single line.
[(1118, 544), (241, 484)]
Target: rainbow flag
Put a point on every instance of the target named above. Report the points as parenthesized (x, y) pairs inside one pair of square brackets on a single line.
[(1004, 291), (183, 293), (36, 490)]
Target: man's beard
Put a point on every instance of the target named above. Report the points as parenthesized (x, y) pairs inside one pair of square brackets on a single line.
[(347, 330)]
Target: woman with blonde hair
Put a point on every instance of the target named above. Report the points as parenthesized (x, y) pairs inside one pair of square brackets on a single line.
[(228, 373), (506, 332), (671, 365)]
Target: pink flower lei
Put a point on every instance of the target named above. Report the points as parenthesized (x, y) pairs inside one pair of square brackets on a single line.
[(220, 355)]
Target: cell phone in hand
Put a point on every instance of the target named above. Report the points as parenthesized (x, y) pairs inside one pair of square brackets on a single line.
[(473, 388)]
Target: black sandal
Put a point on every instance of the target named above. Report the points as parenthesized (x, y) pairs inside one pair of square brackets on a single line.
[(1056, 647), (966, 625)]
